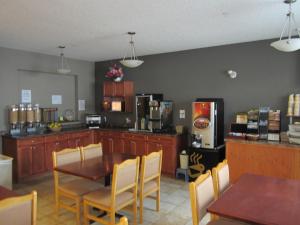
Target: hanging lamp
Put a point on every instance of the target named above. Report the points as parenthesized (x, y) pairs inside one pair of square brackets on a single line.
[(63, 66), (131, 61), (289, 44)]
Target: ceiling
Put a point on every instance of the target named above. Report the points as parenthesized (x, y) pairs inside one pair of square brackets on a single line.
[(95, 30)]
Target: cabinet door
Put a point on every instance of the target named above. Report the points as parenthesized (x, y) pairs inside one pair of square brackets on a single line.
[(152, 147), (138, 147), (24, 161), (38, 158), (107, 145), (49, 148), (118, 145), (169, 161), (108, 88), (118, 89)]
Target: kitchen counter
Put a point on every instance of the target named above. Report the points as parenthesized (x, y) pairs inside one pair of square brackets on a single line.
[(76, 129), (265, 158), (264, 142)]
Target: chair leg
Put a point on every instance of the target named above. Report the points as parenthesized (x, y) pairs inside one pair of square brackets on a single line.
[(158, 200), (135, 212), (85, 213), (141, 209), (56, 203), (78, 211), (113, 217)]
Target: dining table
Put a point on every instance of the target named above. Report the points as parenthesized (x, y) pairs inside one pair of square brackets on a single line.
[(7, 193), (95, 168), (260, 200)]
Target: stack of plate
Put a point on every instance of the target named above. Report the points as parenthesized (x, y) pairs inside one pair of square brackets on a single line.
[(297, 105), (294, 133), (290, 110)]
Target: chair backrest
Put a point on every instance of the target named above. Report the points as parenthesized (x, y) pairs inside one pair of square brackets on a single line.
[(123, 221), (66, 156), (125, 177), (151, 167), (221, 177), (201, 195), (19, 210), (91, 151)]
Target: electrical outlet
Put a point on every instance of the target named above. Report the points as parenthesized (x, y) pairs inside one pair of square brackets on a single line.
[(181, 114)]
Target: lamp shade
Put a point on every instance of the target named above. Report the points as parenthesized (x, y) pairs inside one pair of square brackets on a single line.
[(131, 63), (287, 45)]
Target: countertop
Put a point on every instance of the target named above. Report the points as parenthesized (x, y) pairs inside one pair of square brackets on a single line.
[(76, 129), (262, 142)]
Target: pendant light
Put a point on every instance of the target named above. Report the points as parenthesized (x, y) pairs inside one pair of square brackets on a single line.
[(289, 44), (131, 61), (63, 66)]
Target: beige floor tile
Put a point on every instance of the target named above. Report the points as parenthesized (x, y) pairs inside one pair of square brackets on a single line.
[(174, 206)]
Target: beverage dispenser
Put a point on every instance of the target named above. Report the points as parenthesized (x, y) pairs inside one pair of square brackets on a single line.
[(208, 122)]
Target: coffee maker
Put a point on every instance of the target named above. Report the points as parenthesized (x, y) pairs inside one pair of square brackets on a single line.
[(143, 110), (161, 116)]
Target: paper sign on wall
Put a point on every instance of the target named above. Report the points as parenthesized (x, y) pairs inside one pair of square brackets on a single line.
[(56, 99), (26, 96), (81, 105)]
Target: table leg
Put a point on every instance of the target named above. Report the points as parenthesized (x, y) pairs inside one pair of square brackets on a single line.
[(107, 180)]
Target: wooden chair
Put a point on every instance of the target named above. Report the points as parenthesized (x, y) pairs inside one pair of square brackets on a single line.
[(220, 175), (19, 210), (123, 221), (91, 151), (123, 192), (150, 179), (74, 189), (201, 195)]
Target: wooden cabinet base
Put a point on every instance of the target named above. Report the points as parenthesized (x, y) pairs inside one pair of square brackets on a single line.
[(269, 159), (33, 155)]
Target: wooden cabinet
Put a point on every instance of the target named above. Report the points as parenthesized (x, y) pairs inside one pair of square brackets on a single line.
[(262, 158), (38, 158), (33, 155), (122, 91), (78, 139), (54, 143)]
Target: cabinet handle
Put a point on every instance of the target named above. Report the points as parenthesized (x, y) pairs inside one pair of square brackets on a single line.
[(57, 143)]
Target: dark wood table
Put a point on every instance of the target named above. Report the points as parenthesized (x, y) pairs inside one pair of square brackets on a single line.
[(95, 168), (261, 200), (6, 193)]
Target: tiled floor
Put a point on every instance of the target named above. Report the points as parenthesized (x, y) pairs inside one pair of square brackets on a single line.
[(175, 203)]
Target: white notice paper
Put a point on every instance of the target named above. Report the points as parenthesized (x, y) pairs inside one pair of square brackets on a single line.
[(26, 96), (56, 99), (81, 105)]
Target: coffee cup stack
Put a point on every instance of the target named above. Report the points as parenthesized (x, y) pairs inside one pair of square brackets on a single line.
[(290, 111), (297, 105)]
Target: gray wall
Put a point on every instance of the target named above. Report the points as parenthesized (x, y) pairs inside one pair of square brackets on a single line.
[(265, 78), (12, 60)]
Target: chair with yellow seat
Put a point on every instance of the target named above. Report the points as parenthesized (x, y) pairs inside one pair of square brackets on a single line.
[(73, 189), (220, 175), (201, 195), (91, 151), (20, 210), (150, 180), (122, 193)]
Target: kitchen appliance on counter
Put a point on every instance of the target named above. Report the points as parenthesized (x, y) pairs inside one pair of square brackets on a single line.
[(24, 118), (208, 122), (143, 110), (161, 116), (93, 121)]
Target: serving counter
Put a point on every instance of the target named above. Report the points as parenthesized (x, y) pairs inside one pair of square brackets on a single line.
[(33, 153), (262, 158)]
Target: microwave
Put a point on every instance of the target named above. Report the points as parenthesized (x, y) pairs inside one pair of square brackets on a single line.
[(117, 106)]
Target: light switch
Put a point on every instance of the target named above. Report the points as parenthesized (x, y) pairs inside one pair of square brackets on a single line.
[(181, 114)]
